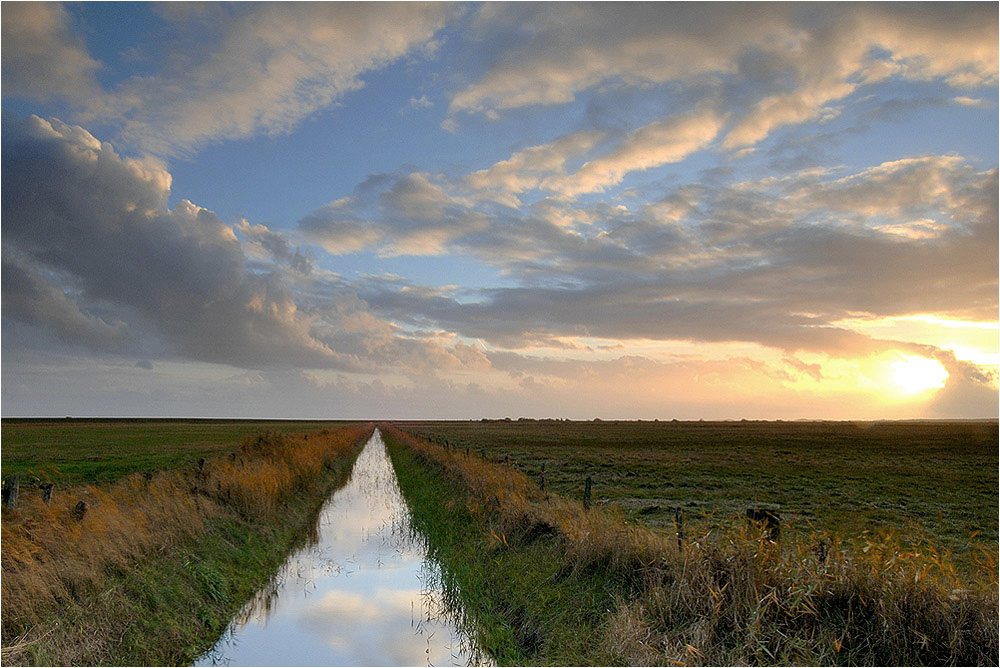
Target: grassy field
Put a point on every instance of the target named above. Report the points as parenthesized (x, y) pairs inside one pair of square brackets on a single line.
[(71, 451), (841, 477), (153, 569), (544, 581)]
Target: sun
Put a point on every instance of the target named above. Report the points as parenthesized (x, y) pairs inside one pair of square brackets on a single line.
[(912, 375)]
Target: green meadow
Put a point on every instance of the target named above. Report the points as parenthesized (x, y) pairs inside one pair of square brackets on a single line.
[(852, 479), (72, 451)]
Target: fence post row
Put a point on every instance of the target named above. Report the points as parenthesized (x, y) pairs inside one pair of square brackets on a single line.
[(46, 488)]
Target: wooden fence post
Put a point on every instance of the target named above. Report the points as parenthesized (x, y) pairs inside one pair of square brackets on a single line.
[(679, 526), (10, 490), (46, 488), (586, 493)]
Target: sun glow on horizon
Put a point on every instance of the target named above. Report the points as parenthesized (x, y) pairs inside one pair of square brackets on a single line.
[(911, 375)]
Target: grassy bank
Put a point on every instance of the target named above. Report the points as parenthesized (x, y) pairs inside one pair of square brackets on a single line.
[(516, 604), (154, 569), (546, 582), (939, 478)]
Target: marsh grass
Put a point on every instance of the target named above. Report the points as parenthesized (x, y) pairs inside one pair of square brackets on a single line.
[(54, 563), (727, 597)]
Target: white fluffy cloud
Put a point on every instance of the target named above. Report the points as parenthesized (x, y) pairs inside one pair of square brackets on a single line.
[(799, 59)]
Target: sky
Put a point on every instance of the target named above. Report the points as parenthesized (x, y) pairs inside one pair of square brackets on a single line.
[(456, 211)]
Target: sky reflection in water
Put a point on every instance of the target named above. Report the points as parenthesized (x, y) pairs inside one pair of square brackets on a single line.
[(360, 593)]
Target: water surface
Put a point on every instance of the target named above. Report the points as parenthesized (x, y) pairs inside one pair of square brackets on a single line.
[(360, 594)]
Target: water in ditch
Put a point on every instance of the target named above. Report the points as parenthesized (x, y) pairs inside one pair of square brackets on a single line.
[(362, 593)]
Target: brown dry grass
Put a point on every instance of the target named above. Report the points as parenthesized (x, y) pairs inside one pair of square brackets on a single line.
[(50, 556), (735, 598)]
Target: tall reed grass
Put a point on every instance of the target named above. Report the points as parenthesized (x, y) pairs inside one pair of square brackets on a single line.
[(736, 598), (50, 555)]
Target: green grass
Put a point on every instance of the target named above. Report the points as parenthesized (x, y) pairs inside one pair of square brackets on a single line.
[(73, 451), (842, 477)]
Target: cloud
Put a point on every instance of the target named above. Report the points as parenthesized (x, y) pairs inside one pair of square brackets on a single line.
[(966, 101), (338, 228), (272, 65), (42, 57), (29, 298), (565, 51), (769, 65), (275, 245), (529, 167), (669, 140), (420, 102), (774, 261), (98, 224), (92, 253), (401, 214)]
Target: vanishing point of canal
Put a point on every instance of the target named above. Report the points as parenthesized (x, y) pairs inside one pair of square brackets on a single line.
[(362, 593)]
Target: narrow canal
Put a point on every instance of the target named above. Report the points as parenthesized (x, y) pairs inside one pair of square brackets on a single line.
[(360, 594)]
